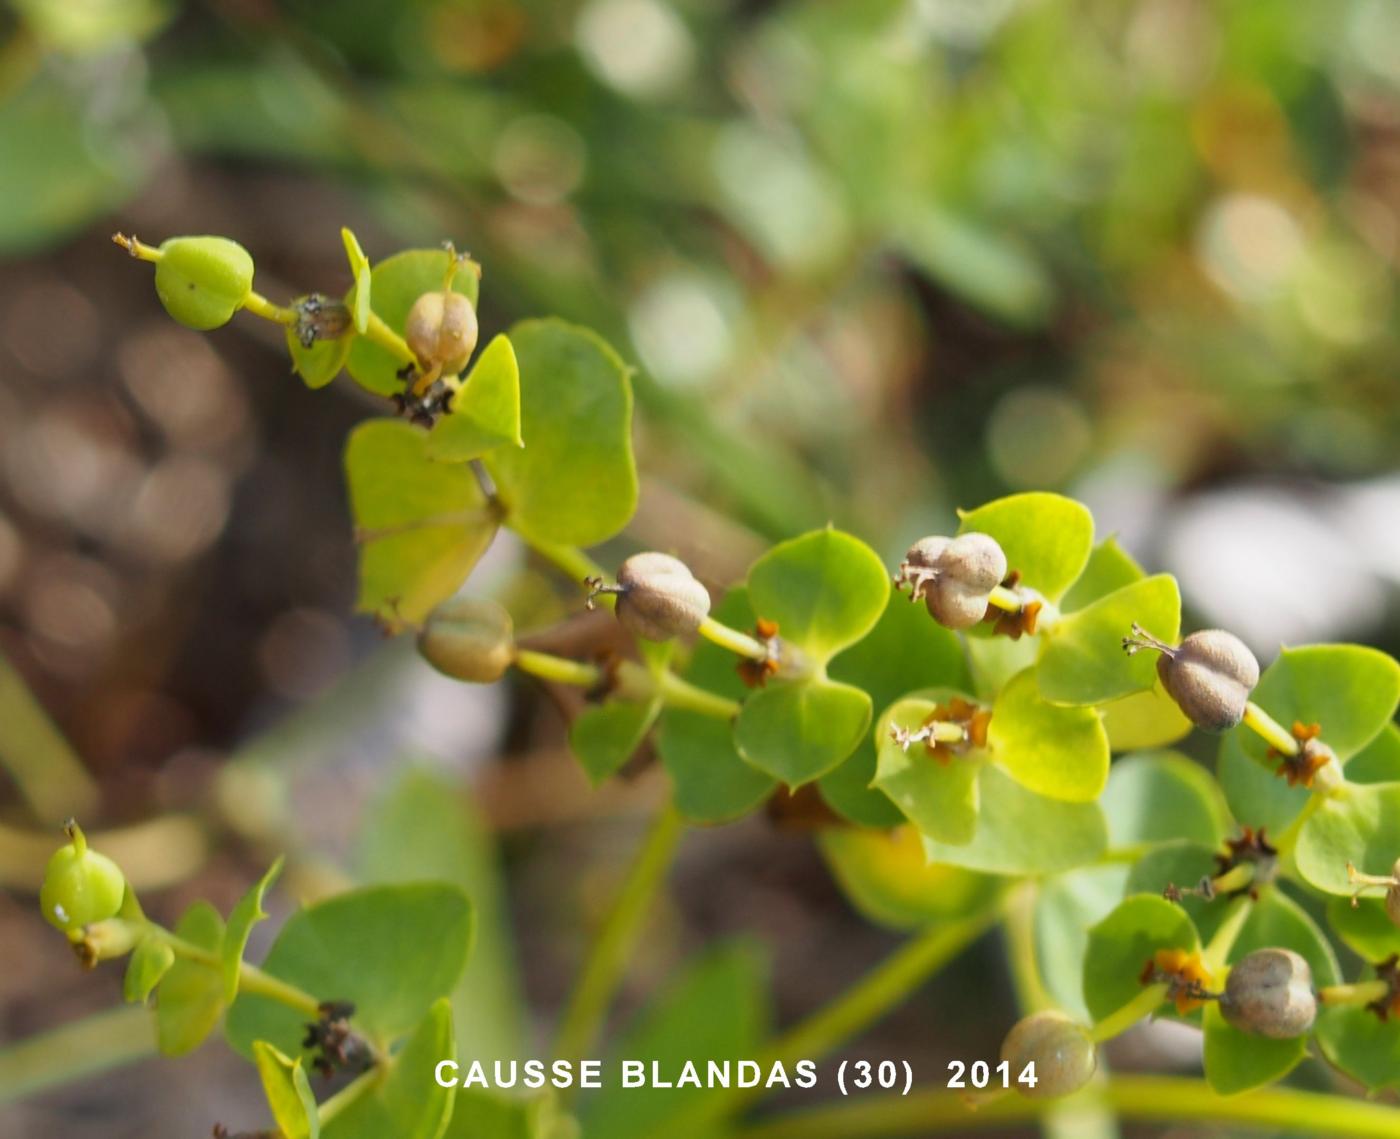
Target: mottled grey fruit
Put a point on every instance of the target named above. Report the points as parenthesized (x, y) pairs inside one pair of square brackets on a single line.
[(1210, 676), (1270, 993), (469, 639), (659, 598), (955, 576), (442, 331), (1062, 1051)]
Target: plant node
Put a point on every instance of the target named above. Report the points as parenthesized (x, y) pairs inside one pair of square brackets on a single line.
[(1302, 767), (1185, 975), (338, 1047), (1251, 851)]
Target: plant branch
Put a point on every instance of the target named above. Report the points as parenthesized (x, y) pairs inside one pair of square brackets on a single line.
[(83, 1048), (732, 639), (1270, 730), (607, 959), (1150, 1098)]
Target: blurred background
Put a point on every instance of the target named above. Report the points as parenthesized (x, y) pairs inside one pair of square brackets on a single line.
[(873, 260)]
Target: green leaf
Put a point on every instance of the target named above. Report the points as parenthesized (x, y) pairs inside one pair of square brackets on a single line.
[(939, 798), (395, 284), (1256, 796), (1143, 720), (907, 650), (1365, 928), (1110, 567), (716, 1011), (485, 412), (427, 829), (1183, 864), (825, 590), (288, 1093), (245, 915), (361, 273), (1236, 1061), (411, 943), (796, 731), (1046, 537), (605, 736), (150, 962), (1359, 825), (1020, 832), (712, 781), (1123, 943), (422, 525), (1082, 659), (498, 1115), (886, 877), (1350, 690), (1362, 1045), (1066, 905), (1379, 760), (408, 1103), (191, 998), (1052, 750), (574, 482), (1161, 797), (319, 364)]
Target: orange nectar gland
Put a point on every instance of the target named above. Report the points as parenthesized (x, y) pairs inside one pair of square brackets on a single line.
[(1185, 975), (1312, 756), (756, 673), (971, 719)]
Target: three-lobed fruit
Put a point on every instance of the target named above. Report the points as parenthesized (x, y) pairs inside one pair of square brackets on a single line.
[(956, 576), (468, 638), (1062, 1051), (1210, 676), (659, 598), (203, 281), (441, 328), (80, 886), (1270, 993)]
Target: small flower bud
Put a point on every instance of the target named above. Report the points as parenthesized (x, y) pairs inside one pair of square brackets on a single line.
[(468, 638), (955, 576), (1062, 1051), (203, 281), (1270, 993), (1210, 675), (658, 597), (80, 886), (442, 331)]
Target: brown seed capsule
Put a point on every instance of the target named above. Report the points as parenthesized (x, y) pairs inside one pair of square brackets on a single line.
[(1210, 676), (470, 639), (1270, 993), (1061, 1050), (658, 597), (442, 331), (955, 576)]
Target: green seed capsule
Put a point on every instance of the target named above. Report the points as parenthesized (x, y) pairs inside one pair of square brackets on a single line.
[(442, 331), (80, 886), (203, 281), (469, 639), (1062, 1051)]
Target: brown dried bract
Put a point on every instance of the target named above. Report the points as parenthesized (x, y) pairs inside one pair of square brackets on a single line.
[(1313, 755), (756, 673), (338, 1047)]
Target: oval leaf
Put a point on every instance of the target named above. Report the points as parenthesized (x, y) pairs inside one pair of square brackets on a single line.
[(320, 363), (574, 482), (485, 412), (825, 590), (939, 798), (1082, 659), (191, 998), (1047, 537), (796, 731), (605, 736), (422, 525), (1160, 797), (1359, 825), (1124, 942), (1053, 750)]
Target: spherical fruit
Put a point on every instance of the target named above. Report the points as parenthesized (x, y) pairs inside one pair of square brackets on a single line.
[(1270, 993), (659, 598), (469, 639), (1062, 1051), (80, 886), (1210, 676), (203, 281), (442, 331)]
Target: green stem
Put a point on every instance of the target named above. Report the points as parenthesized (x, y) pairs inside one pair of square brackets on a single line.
[(1217, 953), (561, 670), (678, 693), (1019, 928), (66, 1054), (607, 959), (572, 562), (733, 640), (251, 979), (259, 305), (39, 758), (1147, 1098), (1116, 1023), (874, 995), (380, 333), (1270, 730), (1362, 993), (633, 681), (1005, 599)]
